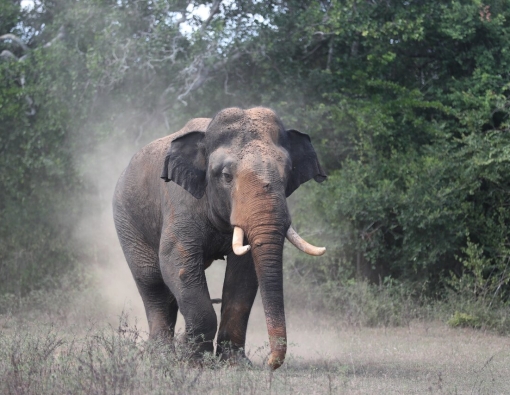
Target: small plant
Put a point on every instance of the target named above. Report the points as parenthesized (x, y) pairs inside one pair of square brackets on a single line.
[(483, 278), (463, 320)]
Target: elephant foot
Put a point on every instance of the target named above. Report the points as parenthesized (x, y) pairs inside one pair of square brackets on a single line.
[(237, 359), (204, 360), (240, 360), (233, 356), (195, 352)]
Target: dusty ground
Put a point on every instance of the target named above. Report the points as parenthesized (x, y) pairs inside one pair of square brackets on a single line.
[(326, 356)]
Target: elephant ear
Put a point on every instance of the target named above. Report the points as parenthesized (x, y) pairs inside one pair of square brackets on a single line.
[(185, 163), (305, 164)]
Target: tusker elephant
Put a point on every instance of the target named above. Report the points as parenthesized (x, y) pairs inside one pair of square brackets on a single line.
[(227, 180)]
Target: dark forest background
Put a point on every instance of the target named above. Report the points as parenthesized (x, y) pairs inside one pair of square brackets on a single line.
[(406, 102)]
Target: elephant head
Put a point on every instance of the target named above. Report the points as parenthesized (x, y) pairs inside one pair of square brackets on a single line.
[(246, 165)]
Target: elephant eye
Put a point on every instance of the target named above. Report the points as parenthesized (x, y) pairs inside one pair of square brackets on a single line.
[(227, 176)]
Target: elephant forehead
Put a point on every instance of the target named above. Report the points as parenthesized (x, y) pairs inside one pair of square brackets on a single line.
[(239, 127), (264, 159), (226, 122), (265, 121)]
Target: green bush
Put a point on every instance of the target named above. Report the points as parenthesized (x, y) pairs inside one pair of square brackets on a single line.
[(464, 320)]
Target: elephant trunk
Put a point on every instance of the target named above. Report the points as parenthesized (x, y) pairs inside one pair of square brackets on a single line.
[(259, 208), (267, 252)]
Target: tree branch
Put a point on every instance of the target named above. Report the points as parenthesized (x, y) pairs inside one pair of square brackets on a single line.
[(214, 10), (204, 73), (60, 36), (8, 55), (319, 45), (330, 55), (184, 15), (16, 40)]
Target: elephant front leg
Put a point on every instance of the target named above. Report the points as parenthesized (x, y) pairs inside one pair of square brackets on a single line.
[(239, 291), (184, 275)]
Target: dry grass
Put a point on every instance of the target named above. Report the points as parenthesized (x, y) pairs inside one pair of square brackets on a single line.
[(41, 358), (77, 346)]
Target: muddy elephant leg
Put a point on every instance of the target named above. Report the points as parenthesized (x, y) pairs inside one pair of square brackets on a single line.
[(186, 279), (239, 291)]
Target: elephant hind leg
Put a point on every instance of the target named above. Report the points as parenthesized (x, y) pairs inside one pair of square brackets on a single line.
[(160, 307), (160, 304)]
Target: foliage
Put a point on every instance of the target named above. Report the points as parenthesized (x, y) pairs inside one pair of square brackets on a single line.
[(419, 95), (406, 102), (464, 320)]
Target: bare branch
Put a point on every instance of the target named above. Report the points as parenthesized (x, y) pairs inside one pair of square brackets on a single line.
[(354, 48), (225, 85), (204, 74), (319, 45), (8, 55), (30, 103), (60, 36), (330, 54), (322, 34), (199, 80), (15, 39), (183, 17), (214, 10)]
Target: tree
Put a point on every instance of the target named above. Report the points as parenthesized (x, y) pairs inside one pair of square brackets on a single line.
[(407, 103)]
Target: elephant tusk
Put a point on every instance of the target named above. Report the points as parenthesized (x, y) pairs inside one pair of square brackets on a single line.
[(237, 242), (302, 245)]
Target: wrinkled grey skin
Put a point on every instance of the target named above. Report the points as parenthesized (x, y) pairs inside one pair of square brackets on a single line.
[(234, 170)]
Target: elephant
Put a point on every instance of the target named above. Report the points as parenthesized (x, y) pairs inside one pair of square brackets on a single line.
[(226, 181)]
